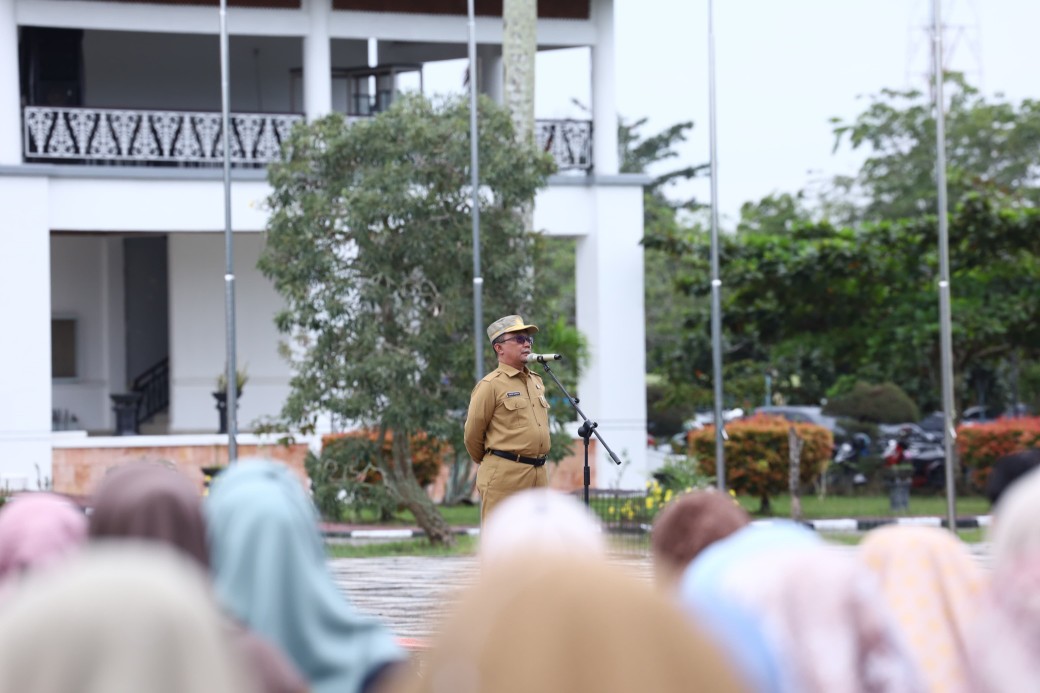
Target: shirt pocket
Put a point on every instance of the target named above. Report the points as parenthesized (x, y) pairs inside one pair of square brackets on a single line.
[(517, 409)]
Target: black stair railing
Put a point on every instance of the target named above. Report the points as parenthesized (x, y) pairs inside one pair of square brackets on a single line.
[(154, 387)]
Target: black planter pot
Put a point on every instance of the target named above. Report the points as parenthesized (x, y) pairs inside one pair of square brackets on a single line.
[(899, 494), (125, 406), (221, 398)]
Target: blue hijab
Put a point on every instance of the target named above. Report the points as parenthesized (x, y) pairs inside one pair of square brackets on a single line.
[(269, 568)]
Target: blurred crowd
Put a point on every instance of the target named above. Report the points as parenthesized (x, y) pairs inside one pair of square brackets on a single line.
[(158, 589)]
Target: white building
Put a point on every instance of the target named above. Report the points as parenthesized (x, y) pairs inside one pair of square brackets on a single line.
[(111, 246)]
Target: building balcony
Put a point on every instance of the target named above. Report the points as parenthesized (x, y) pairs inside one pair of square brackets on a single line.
[(122, 137)]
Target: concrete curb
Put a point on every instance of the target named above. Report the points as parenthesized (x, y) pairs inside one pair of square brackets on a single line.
[(404, 533)]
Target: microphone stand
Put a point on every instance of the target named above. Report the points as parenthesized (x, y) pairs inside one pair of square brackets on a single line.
[(586, 430)]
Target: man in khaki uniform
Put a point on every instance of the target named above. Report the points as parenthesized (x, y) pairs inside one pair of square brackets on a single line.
[(507, 428)]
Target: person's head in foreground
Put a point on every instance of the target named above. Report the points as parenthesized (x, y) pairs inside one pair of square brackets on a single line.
[(1004, 645), (540, 520), (269, 568), (1009, 469), (933, 586), (819, 610), (687, 526), (568, 624), (117, 618), (37, 530)]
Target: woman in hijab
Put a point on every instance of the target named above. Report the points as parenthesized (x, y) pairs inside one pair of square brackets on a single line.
[(544, 519), (1005, 643), (559, 624), (270, 570), (933, 586), (156, 503), (819, 611), (37, 529), (117, 618)]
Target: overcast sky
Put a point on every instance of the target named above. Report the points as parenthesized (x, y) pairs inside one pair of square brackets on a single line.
[(783, 69)]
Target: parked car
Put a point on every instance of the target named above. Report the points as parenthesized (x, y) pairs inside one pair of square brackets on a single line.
[(803, 414)]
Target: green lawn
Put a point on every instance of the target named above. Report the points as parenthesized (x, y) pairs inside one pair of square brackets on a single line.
[(464, 545), (969, 536), (813, 508), (456, 516)]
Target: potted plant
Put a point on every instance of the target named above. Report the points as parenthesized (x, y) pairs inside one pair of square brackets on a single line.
[(220, 394), (898, 479)]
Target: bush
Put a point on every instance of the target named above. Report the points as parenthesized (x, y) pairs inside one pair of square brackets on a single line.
[(884, 403), (427, 453), (979, 446), (757, 454), (663, 418)]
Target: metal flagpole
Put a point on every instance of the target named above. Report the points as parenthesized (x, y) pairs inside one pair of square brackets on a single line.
[(474, 163), (229, 269), (716, 282), (945, 329)]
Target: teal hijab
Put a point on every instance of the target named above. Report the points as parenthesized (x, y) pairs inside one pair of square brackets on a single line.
[(268, 563)]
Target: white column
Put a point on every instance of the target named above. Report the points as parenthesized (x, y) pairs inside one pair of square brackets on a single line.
[(10, 97), (317, 61), (25, 352), (610, 314), (604, 106), (489, 71)]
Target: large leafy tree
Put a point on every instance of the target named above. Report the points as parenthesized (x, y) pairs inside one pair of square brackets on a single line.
[(369, 244), (992, 146)]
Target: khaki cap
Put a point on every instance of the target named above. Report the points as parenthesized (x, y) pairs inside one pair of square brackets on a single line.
[(510, 323)]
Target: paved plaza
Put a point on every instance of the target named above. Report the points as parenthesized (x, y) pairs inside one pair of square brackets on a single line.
[(412, 594)]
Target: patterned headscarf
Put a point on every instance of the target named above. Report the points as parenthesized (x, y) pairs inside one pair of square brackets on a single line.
[(270, 571), (933, 586)]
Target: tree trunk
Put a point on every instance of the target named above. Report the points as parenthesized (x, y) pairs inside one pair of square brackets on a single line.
[(461, 480), (401, 479), (794, 448), (519, 45)]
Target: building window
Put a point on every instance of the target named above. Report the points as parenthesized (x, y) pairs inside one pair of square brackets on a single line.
[(63, 348)]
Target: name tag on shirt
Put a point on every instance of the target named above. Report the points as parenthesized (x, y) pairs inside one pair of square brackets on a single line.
[(512, 394)]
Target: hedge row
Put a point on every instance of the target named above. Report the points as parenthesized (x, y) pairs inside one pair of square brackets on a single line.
[(757, 462), (356, 450), (979, 446)]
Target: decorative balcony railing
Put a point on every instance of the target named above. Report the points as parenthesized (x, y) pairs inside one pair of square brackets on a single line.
[(195, 138), (186, 138), (569, 142)]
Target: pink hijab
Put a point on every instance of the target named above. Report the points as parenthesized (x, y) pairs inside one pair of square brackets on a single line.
[(37, 529), (933, 586)]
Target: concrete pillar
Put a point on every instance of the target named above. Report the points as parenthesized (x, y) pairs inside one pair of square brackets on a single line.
[(489, 71), (317, 61), (25, 352), (10, 96), (604, 106), (610, 313)]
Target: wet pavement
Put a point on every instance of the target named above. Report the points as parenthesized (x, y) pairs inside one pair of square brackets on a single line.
[(412, 594)]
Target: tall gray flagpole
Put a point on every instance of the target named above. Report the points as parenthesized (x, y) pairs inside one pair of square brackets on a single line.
[(945, 329), (716, 282), (474, 167), (229, 249)]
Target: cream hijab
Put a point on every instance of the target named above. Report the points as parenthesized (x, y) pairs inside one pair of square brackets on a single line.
[(933, 586), (119, 618)]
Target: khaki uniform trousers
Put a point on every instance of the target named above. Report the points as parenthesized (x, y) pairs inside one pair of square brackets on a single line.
[(499, 478)]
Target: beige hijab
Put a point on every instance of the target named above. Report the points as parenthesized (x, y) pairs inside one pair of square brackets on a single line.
[(933, 586), (566, 625), (117, 619)]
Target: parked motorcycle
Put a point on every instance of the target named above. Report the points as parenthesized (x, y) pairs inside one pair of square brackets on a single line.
[(844, 472), (921, 449)]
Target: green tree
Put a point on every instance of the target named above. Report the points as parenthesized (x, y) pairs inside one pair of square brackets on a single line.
[(991, 147), (369, 245)]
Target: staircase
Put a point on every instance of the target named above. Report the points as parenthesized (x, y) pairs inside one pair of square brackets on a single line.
[(154, 387)]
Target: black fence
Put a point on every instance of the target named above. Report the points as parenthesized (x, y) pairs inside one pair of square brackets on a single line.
[(627, 517)]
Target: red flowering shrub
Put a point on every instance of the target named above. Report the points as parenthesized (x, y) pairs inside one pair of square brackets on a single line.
[(427, 453), (757, 461), (980, 445)]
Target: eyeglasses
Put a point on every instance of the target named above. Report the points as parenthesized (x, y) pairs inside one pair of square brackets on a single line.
[(520, 339)]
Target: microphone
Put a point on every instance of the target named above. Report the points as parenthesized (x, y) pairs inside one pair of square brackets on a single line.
[(542, 358)]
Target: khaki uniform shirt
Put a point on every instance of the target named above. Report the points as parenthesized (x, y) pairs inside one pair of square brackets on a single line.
[(508, 411)]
